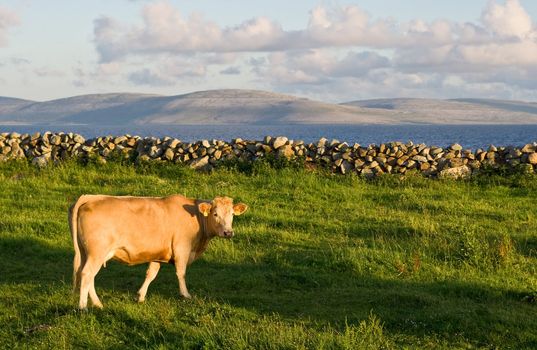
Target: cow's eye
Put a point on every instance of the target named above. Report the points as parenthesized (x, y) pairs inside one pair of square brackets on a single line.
[(215, 214)]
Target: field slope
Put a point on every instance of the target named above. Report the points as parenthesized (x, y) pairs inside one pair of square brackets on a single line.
[(319, 261)]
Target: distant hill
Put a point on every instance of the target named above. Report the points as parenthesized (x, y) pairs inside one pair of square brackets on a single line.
[(214, 107), (10, 105), (455, 111), (234, 106)]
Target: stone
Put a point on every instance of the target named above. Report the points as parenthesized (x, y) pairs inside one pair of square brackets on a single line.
[(420, 159), (173, 143), (347, 156), (200, 163), (358, 163), (279, 142), (529, 148), (120, 139), (286, 151), (202, 151), (368, 173), (456, 147), (532, 158), (131, 142), (205, 143), (474, 164), (55, 140), (456, 162), (336, 156), (266, 148), (456, 173), (41, 161), (436, 150), (424, 166), (334, 142), (491, 155), (155, 152), (345, 167), (169, 154)]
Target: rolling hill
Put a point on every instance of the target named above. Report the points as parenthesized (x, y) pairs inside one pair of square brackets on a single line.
[(455, 111), (232, 106)]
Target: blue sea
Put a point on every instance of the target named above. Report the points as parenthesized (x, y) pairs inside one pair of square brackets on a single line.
[(469, 136)]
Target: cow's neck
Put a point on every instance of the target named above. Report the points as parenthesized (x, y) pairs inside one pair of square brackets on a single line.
[(203, 237)]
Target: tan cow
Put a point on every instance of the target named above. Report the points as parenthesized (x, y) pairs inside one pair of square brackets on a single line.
[(137, 230)]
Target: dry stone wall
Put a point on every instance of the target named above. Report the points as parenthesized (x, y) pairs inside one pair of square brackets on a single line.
[(340, 157)]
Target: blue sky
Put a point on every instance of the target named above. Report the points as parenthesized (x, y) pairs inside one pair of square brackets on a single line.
[(328, 50)]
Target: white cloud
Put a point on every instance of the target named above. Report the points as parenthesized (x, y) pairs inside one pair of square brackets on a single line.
[(342, 50), (15, 61), (233, 70), (8, 19), (508, 21), (147, 77), (45, 72)]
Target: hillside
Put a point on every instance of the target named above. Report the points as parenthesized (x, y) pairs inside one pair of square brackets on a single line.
[(215, 107), (456, 111), (232, 106)]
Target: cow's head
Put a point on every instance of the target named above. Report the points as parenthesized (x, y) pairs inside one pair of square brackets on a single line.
[(219, 214)]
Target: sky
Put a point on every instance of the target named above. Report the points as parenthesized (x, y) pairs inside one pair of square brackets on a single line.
[(333, 51)]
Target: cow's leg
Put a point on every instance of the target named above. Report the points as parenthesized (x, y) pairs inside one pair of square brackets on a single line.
[(90, 269), (77, 276), (181, 262), (150, 275), (93, 295)]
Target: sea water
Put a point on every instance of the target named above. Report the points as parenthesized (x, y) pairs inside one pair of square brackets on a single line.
[(469, 136)]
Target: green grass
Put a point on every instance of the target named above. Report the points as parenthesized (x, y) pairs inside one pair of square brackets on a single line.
[(318, 261)]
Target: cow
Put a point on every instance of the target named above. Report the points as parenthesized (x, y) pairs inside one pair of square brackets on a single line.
[(137, 230)]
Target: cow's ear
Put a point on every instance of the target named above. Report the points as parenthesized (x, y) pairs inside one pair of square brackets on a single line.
[(205, 208), (239, 208)]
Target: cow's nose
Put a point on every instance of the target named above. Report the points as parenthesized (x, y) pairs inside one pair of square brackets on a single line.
[(228, 233)]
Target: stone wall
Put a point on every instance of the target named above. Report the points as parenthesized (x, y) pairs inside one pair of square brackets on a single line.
[(340, 157)]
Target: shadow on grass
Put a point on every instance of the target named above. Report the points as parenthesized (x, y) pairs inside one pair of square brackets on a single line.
[(305, 289), (527, 246)]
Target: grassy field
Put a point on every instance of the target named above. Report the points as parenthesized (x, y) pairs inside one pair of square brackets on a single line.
[(318, 261)]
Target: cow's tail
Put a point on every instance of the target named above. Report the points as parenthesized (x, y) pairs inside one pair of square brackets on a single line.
[(73, 225)]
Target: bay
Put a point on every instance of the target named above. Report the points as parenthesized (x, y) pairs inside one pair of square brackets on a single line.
[(469, 136)]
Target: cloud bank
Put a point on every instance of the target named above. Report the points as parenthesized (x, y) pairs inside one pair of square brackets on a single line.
[(343, 52), (8, 19)]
